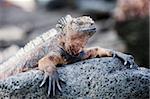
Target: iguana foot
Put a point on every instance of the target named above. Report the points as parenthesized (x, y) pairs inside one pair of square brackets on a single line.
[(53, 82), (126, 59)]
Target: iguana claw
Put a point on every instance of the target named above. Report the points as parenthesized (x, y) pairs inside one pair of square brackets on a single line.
[(53, 82), (126, 59), (44, 79)]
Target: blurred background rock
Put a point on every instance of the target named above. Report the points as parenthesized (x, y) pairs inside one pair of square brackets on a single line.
[(121, 25)]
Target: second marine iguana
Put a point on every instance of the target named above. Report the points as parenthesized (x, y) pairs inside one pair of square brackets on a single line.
[(61, 45)]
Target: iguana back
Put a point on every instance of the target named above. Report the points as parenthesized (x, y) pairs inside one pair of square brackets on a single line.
[(28, 56)]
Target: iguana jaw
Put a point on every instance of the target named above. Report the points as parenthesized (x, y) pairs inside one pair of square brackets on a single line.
[(76, 43), (89, 31)]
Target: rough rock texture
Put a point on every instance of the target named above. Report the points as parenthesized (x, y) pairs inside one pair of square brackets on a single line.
[(97, 78)]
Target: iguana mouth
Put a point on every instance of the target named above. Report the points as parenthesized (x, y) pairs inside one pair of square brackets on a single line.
[(90, 31)]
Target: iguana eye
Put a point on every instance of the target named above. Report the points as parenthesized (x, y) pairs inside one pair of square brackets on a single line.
[(80, 23)]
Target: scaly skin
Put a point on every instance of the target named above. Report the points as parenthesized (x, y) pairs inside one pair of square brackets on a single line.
[(61, 45), (29, 56)]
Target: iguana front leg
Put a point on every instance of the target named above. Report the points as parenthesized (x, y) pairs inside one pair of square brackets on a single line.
[(96, 52), (48, 65), (101, 52)]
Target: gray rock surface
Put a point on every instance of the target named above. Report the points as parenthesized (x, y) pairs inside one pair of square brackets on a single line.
[(99, 78)]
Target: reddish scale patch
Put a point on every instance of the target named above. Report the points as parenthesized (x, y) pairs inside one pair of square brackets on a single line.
[(78, 43)]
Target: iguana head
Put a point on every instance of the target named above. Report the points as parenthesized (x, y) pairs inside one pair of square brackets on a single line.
[(77, 31)]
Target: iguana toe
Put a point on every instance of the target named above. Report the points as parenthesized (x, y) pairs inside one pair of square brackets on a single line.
[(53, 82), (127, 60), (44, 79)]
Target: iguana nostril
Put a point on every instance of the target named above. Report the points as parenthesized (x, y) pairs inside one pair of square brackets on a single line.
[(92, 23)]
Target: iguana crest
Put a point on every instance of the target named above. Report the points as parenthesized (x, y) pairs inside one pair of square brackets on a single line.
[(63, 21)]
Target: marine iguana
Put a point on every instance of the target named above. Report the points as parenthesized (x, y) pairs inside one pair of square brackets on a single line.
[(63, 44)]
